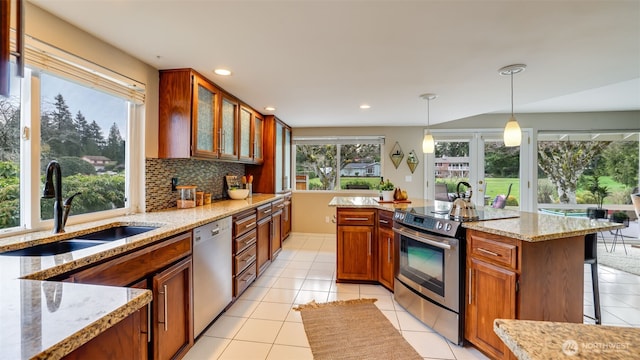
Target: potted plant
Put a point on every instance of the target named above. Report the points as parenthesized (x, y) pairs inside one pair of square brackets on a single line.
[(620, 217), (599, 192), (387, 188)]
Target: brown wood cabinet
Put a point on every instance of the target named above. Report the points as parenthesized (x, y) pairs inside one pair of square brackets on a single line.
[(356, 248), (198, 119), (276, 227), (121, 341), (245, 251), (263, 237), (513, 279), (286, 217), (274, 175), (166, 262), (173, 312), (386, 247)]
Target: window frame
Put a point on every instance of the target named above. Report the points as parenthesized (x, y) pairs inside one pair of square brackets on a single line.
[(337, 140)]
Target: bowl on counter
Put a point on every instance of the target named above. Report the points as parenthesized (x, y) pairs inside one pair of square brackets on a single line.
[(238, 194)]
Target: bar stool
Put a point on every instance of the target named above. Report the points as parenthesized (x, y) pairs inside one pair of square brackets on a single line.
[(591, 258)]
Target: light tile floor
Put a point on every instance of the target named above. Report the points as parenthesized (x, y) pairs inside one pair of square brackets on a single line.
[(262, 325)]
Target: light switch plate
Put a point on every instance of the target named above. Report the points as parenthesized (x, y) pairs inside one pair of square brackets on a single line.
[(408, 178)]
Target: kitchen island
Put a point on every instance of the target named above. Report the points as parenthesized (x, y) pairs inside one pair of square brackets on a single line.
[(540, 340), (50, 319)]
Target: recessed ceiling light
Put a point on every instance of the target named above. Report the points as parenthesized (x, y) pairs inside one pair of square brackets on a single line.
[(223, 72), (365, 106), (270, 108)]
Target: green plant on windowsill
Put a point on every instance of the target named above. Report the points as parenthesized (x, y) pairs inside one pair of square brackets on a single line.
[(387, 186)]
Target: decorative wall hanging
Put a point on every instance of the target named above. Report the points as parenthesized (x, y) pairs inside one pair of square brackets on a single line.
[(396, 155), (412, 161)]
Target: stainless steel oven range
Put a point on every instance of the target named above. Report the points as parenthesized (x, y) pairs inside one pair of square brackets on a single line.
[(430, 274)]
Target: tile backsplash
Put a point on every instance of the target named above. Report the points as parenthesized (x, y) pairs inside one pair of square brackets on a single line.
[(207, 175)]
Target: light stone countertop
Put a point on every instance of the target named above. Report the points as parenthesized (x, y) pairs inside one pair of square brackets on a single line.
[(47, 319), (528, 226), (546, 340)]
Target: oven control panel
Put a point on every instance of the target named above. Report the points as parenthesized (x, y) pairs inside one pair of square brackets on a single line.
[(427, 223)]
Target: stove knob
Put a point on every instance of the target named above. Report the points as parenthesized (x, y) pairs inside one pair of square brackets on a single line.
[(448, 227), (439, 225)]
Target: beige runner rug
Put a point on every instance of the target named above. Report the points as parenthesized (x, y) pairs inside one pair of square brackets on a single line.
[(352, 329)]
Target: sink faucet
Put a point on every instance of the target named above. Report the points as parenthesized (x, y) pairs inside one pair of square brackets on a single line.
[(60, 211)]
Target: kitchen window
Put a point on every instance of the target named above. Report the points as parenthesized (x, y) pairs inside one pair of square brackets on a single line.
[(84, 117), (336, 163), (572, 164)]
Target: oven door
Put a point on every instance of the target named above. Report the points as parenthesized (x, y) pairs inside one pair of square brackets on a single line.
[(430, 265)]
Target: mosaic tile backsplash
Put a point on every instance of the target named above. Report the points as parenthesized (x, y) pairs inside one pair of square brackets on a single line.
[(207, 175)]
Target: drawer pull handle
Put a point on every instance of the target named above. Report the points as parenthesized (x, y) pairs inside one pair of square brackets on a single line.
[(356, 219), (165, 310), (267, 211), (250, 225), (488, 252), (249, 259), (249, 241), (383, 221)]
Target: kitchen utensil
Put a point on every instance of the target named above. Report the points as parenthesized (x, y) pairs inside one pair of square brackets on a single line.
[(463, 209)]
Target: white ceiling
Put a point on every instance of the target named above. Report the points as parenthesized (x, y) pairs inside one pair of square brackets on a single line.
[(318, 61)]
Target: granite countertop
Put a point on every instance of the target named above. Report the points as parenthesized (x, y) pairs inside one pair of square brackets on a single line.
[(527, 226), (46, 319), (541, 340)]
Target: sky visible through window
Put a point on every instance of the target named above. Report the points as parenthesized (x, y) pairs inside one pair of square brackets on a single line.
[(96, 105)]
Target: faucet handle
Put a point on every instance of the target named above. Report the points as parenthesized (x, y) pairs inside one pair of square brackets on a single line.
[(70, 199)]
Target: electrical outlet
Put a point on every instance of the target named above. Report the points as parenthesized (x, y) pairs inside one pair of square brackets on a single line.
[(174, 183)]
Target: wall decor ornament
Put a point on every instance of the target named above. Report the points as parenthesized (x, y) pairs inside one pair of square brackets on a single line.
[(412, 161), (396, 155)]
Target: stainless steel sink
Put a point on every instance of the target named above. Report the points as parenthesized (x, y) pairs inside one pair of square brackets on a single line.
[(117, 232), (54, 248), (81, 242)]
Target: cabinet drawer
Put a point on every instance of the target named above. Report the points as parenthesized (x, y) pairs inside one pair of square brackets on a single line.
[(245, 259), (244, 279), (264, 211), (385, 219), (356, 217), (128, 268), (501, 252), (242, 225), (244, 241)]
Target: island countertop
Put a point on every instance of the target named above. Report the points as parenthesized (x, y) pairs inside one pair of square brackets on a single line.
[(528, 226), (48, 319), (542, 340)]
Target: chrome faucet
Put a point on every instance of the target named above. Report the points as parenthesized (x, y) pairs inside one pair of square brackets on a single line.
[(60, 211)]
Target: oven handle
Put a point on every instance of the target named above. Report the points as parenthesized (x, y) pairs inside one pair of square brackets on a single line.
[(422, 239)]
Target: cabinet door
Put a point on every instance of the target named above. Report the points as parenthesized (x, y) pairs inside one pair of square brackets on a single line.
[(286, 149), (228, 129), (385, 257), (245, 136), (204, 110), (264, 244), (172, 310), (355, 253), (278, 160), (276, 234), (286, 217), (491, 294), (258, 130)]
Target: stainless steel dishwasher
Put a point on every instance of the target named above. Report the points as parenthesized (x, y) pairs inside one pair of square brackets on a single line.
[(212, 277)]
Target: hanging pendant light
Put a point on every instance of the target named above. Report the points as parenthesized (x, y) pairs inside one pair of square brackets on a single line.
[(428, 144), (512, 132)]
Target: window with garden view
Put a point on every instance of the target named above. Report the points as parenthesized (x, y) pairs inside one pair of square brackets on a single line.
[(578, 171), (338, 163)]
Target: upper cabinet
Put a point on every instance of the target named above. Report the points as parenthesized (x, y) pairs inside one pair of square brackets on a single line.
[(198, 119), (274, 176), (258, 127)]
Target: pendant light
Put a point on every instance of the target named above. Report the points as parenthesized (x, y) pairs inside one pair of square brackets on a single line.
[(512, 133), (428, 144)]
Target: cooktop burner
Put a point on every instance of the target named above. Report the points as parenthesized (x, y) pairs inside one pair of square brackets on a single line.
[(483, 214), (437, 220)]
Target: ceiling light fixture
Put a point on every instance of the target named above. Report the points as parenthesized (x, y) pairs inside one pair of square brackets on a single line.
[(222, 72), (428, 144), (365, 106), (270, 108), (512, 132)]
